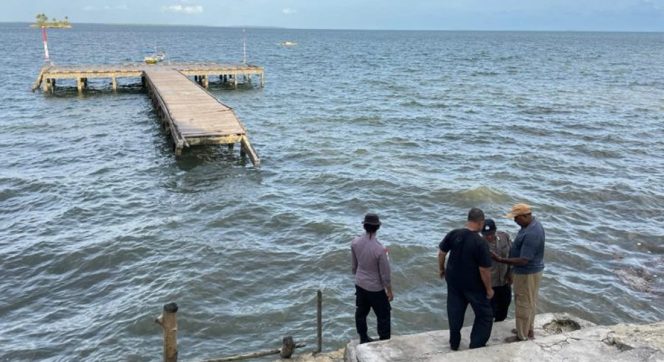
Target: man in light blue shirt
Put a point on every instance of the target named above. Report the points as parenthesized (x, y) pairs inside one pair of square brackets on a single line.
[(527, 258)]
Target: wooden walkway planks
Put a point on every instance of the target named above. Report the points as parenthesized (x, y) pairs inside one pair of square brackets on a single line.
[(193, 115)]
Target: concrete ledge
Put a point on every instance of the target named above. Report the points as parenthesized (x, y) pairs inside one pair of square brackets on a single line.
[(557, 337)]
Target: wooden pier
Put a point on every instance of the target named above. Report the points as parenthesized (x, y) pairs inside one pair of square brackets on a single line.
[(189, 112)]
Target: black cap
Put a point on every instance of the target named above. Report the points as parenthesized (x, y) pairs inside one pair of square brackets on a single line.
[(371, 219), (489, 226), (475, 214)]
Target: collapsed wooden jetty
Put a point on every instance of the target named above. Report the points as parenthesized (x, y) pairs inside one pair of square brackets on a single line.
[(190, 113)]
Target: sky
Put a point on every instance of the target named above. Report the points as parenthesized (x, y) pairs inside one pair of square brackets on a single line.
[(557, 15)]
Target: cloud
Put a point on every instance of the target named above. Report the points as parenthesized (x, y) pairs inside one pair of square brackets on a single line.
[(183, 9), (120, 7), (288, 11)]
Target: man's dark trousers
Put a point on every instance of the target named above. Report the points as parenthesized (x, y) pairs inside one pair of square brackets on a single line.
[(364, 302), (457, 302), (500, 303)]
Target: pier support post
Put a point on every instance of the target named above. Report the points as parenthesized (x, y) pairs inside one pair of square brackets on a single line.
[(114, 84), (46, 85), (79, 85), (52, 85), (247, 149), (206, 82), (235, 80), (262, 80), (169, 324)]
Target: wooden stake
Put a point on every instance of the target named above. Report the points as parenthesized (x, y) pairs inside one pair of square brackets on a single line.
[(319, 321), (169, 324), (79, 84), (206, 82), (114, 84)]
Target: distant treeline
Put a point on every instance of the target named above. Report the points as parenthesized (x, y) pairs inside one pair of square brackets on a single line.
[(43, 20)]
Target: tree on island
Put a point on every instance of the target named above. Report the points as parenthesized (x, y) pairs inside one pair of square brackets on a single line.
[(41, 20)]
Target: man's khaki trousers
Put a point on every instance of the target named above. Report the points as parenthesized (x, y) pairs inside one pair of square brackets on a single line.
[(526, 289)]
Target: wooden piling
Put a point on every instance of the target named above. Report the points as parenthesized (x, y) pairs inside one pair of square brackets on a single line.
[(79, 84), (248, 149), (46, 86), (114, 84), (206, 82), (319, 321), (168, 323)]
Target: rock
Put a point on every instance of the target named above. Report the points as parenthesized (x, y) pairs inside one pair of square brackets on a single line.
[(557, 337)]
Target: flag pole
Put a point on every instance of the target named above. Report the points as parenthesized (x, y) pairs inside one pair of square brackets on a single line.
[(47, 59)]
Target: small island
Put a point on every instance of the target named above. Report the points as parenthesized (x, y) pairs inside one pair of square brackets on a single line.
[(41, 20)]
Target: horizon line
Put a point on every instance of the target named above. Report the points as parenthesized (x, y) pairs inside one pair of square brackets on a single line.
[(349, 29)]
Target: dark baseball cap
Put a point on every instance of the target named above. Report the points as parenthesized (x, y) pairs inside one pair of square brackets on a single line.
[(489, 226)]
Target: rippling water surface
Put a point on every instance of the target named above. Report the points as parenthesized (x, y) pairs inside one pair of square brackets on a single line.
[(101, 225)]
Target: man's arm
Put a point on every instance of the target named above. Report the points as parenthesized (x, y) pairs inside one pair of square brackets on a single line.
[(523, 259), (485, 274), (352, 252), (385, 275), (441, 263), (508, 272), (509, 261)]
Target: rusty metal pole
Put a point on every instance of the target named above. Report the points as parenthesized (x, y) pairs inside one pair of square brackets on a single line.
[(169, 324), (319, 321)]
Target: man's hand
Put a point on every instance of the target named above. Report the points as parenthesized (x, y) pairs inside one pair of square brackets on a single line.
[(508, 279), (390, 295), (489, 293), (495, 257)]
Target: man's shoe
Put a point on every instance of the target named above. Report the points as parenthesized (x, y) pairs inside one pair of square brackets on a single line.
[(366, 340)]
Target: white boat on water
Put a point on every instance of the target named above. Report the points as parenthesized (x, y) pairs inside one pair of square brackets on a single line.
[(288, 43)]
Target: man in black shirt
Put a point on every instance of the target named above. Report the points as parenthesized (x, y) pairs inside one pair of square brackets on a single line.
[(468, 277)]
